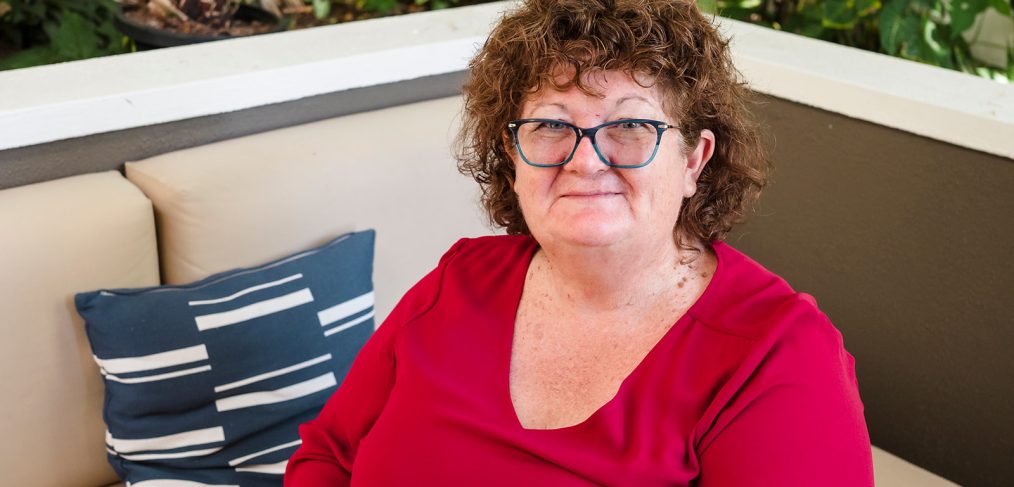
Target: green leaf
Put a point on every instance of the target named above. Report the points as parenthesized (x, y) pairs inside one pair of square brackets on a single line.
[(867, 7), (1002, 6), (33, 10), (963, 14), (50, 27), (321, 9), (35, 56), (75, 38), (938, 42), (964, 62), (380, 6), (933, 46), (731, 12), (898, 26), (707, 6), (839, 14), (805, 21), (845, 14)]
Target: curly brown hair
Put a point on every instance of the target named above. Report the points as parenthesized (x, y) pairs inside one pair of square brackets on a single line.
[(668, 42)]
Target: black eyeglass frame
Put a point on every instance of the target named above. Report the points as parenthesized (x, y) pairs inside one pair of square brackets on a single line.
[(590, 132)]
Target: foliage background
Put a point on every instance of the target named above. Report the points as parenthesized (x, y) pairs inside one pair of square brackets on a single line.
[(927, 31), (34, 32), (937, 32)]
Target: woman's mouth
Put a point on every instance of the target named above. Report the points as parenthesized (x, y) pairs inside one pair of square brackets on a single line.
[(589, 195)]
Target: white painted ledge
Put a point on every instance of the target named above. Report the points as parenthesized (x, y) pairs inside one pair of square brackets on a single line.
[(57, 102), (926, 100)]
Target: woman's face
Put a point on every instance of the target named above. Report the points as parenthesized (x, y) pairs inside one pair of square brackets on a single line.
[(587, 203)]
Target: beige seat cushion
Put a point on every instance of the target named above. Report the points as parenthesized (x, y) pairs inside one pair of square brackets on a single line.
[(891, 471), (58, 238), (245, 201)]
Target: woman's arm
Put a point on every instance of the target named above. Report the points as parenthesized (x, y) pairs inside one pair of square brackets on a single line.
[(797, 421), (330, 442)]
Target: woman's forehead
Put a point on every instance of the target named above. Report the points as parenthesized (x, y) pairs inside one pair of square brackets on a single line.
[(610, 92)]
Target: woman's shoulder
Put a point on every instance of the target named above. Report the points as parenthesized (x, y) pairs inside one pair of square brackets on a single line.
[(471, 265), (781, 335), (748, 300), (487, 254), (465, 268), (485, 244)]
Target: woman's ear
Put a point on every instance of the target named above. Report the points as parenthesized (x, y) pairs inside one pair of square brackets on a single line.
[(508, 142), (696, 160), (511, 153)]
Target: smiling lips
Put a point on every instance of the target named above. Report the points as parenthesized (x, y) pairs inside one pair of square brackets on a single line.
[(589, 194)]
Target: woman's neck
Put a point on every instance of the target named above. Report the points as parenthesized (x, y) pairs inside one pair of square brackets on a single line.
[(623, 277)]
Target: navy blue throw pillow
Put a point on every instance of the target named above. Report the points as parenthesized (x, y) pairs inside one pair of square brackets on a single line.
[(209, 382)]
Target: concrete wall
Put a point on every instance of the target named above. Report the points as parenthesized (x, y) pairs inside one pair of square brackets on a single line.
[(908, 245)]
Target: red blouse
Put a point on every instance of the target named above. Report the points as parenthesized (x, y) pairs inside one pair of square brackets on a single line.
[(752, 386)]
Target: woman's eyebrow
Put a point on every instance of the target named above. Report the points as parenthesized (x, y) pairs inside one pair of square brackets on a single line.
[(559, 105), (633, 98)]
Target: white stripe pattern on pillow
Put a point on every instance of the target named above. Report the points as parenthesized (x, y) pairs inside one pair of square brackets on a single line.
[(273, 373), (345, 309), (237, 461), (272, 468), (246, 291), (350, 324), (287, 393), (168, 442), (174, 483), (154, 361), (254, 310), (166, 456), (152, 378)]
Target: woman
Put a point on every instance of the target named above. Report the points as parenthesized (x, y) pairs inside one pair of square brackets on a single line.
[(611, 338)]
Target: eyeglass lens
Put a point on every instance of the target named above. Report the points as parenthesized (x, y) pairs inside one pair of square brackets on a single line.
[(621, 144)]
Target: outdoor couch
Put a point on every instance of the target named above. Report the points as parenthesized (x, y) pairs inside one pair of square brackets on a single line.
[(179, 217)]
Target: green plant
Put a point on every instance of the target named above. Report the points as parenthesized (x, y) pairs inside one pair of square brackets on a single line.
[(321, 8), (438, 4), (928, 31), (50, 31)]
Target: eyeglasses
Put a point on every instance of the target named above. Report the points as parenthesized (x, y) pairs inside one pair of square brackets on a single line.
[(628, 143)]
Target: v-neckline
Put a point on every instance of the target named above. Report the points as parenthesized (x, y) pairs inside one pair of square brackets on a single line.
[(681, 322)]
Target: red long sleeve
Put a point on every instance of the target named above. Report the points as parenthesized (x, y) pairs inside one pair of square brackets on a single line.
[(331, 441), (751, 387)]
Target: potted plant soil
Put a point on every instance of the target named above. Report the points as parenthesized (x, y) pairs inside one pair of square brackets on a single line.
[(166, 23)]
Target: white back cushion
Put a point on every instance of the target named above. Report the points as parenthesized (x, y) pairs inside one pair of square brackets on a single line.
[(244, 201), (58, 238)]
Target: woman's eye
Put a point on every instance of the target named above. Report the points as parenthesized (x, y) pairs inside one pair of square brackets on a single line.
[(631, 125), (554, 125)]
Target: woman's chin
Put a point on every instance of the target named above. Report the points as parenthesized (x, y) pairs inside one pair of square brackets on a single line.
[(592, 233)]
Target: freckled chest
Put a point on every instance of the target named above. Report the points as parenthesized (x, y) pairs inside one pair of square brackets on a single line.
[(563, 371), (559, 377)]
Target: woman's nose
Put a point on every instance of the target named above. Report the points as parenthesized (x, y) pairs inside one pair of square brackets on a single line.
[(586, 159)]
